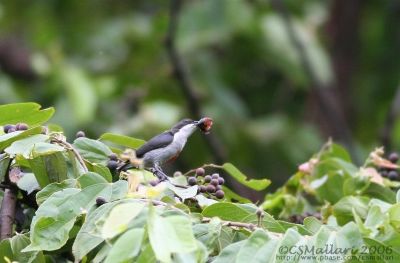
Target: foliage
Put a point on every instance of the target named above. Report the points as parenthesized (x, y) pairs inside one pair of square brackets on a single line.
[(90, 216)]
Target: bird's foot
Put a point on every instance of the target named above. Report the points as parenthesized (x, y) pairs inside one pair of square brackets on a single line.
[(160, 174)]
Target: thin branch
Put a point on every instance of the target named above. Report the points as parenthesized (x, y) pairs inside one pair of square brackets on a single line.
[(70, 147), (393, 112), (326, 104), (182, 76), (7, 212)]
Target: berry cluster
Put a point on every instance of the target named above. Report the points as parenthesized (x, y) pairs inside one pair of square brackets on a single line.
[(211, 184), (298, 219), (113, 162), (9, 128), (391, 174)]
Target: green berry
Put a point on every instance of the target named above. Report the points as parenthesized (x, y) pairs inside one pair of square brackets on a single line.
[(80, 134), (219, 194), (200, 171), (211, 188), (215, 176), (207, 178), (192, 181)]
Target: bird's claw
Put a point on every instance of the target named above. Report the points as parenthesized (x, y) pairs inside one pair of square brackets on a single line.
[(160, 175)]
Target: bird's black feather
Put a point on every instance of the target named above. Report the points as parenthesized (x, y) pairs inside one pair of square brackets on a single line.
[(156, 142)]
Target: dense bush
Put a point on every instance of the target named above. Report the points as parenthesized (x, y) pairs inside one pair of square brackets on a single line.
[(87, 211)]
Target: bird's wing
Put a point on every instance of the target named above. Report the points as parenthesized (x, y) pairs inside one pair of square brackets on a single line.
[(156, 142)]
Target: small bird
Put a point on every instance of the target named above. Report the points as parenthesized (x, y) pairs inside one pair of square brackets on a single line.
[(167, 146)]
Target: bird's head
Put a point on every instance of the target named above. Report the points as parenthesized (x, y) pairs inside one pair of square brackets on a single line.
[(203, 124)]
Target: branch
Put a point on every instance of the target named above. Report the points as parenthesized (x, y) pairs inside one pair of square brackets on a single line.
[(339, 125), (7, 213), (182, 76), (68, 146)]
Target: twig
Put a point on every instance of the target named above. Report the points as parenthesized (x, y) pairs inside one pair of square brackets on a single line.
[(249, 226), (325, 102), (70, 147), (204, 166), (393, 112), (7, 212), (182, 76)]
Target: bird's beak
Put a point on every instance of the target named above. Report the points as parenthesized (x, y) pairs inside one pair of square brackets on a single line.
[(204, 124)]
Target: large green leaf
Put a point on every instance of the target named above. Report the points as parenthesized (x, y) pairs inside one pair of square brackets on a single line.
[(49, 168), (4, 163), (241, 213), (28, 113), (25, 145), (126, 247), (56, 216), (170, 235), (343, 210), (7, 139), (50, 189), (122, 140), (90, 178), (92, 150), (28, 183), (240, 177)]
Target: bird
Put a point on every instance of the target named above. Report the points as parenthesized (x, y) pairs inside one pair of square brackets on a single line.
[(166, 147)]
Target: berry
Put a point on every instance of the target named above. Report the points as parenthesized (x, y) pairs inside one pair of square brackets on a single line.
[(21, 127), (202, 189), (12, 129), (8, 127), (215, 176), (384, 173), (100, 201), (393, 157), (113, 157), (80, 134), (112, 165), (192, 181), (177, 173), (211, 188), (221, 180), (200, 171), (154, 182), (218, 187), (219, 194), (393, 175), (214, 182), (207, 178), (260, 212)]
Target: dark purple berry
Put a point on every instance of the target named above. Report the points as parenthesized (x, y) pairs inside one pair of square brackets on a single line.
[(393, 157), (154, 182), (100, 201), (200, 171), (21, 127), (219, 194), (393, 175), (12, 129), (214, 182), (221, 180), (112, 165), (384, 173), (211, 188), (113, 157), (203, 189), (207, 178), (80, 134), (8, 127), (215, 176), (192, 181)]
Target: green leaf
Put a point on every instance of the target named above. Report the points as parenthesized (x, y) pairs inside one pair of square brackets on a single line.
[(5, 250), (7, 139), (184, 193), (126, 247), (241, 213), (4, 163), (90, 178), (50, 189), (48, 168), (381, 192), (122, 140), (28, 113), (56, 216), (28, 183), (229, 253), (25, 146), (343, 210), (169, 235), (119, 218), (240, 177), (259, 247), (103, 171), (92, 150), (18, 243), (312, 224)]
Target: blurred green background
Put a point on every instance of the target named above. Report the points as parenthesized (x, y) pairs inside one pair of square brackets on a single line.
[(103, 65)]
